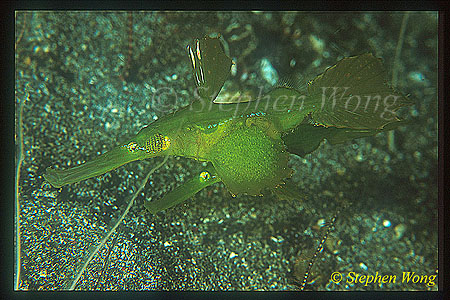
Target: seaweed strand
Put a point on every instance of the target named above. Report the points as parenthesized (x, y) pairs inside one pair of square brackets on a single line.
[(398, 50), (19, 138), (320, 247), (106, 262)]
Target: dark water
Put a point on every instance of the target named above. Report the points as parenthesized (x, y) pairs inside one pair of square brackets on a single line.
[(90, 88)]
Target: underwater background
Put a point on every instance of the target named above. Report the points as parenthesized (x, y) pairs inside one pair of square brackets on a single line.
[(85, 81)]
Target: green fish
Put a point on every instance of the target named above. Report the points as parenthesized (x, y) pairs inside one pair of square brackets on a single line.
[(247, 144)]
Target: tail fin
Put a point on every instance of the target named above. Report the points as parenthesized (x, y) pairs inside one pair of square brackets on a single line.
[(354, 94), (349, 100)]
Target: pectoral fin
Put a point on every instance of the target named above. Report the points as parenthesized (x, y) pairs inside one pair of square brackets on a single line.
[(183, 192)]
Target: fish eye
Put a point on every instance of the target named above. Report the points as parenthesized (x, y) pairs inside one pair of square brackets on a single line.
[(204, 176)]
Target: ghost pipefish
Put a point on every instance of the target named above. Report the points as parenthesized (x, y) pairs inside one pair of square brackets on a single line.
[(247, 144)]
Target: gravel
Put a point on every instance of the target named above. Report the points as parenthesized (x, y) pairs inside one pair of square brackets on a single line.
[(82, 102)]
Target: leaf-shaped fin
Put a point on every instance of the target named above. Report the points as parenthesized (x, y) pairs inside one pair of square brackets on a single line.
[(353, 93), (211, 66), (183, 192)]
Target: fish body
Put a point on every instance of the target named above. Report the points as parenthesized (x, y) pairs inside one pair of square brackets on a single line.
[(248, 143)]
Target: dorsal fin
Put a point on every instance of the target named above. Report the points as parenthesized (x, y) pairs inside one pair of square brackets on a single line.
[(211, 66)]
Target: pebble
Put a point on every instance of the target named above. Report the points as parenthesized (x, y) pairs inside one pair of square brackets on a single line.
[(359, 157), (233, 70), (268, 71), (363, 266), (316, 43), (321, 222), (416, 76), (399, 230), (292, 63)]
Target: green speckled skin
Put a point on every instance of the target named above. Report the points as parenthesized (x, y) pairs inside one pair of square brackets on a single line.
[(248, 160), (248, 143)]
